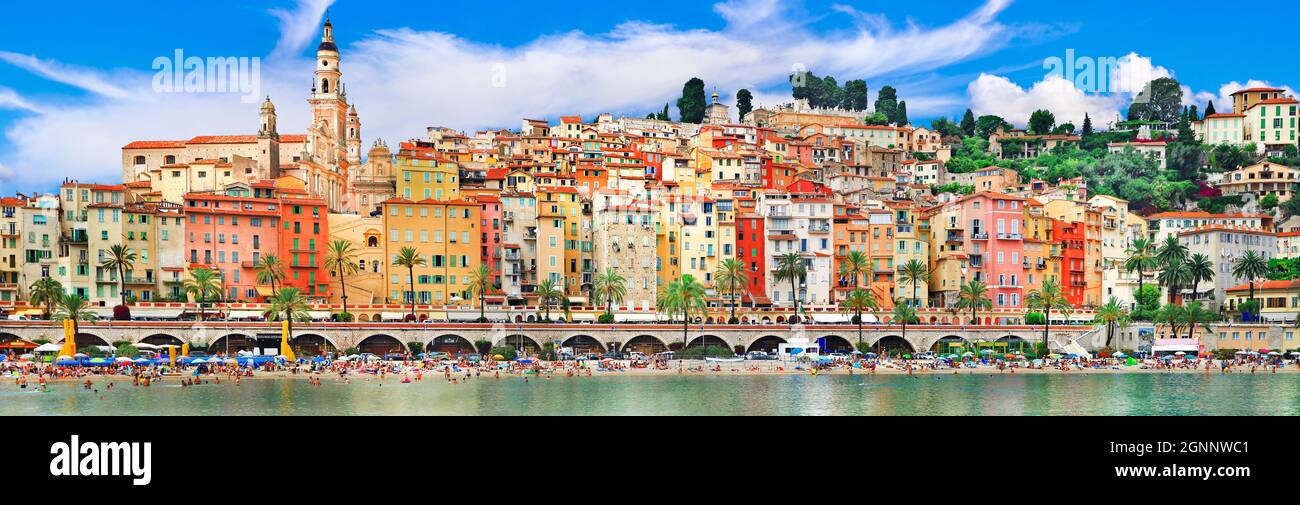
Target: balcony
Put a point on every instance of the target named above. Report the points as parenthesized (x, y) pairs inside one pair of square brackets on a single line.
[(979, 236), (1042, 265), (140, 280), (977, 261), (956, 235), (1010, 236)]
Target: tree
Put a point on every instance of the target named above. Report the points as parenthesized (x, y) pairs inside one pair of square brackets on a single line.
[(691, 105), (409, 258), (1087, 125), (829, 94), (1140, 259), (608, 289), (121, 259), (914, 272), (1041, 122), (684, 296), (1161, 100), (855, 96), (1209, 109), (547, 293), (72, 307), (857, 301), (341, 257), (854, 264), (904, 314), (1047, 298), (1196, 313), (974, 296), (47, 293), (887, 103), (1200, 269), (968, 123), (1174, 277), (1251, 267), (269, 269), (480, 282), (731, 274), (876, 119), (1063, 129), (790, 267), (946, 128), (1269, 202), (1112, 314), (744, 103), (1172, 315), (988, 125), (900, 114), (287, 305), (202, 282)]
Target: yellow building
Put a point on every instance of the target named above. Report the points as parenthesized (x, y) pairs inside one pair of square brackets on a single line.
[(447, 236), (425, 174), (560, 239), (366, 234)]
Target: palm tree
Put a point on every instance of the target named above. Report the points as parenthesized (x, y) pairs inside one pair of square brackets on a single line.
[(792, 268), (905, 313), (685, 296), (341, 257), (120, 258), (1046, 299), (1174, 277), (854, 265), (1250, 266), (46, 292), (974, 297), (1197, 313), (269, 270), (914, 272), (857, 301), (609, 288), (1171, 255), (480, 281), (73, 307), (731, 273), (1111, 314), (547, 292), (1140, 259), (202, 282), (1201, 269), (287, 305), (1172, 315), (410, 258)]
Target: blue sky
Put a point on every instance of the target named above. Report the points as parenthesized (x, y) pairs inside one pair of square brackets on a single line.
[(418, 64)]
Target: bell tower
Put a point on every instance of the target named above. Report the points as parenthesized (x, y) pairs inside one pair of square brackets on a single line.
[(328, 99), (268, 143)]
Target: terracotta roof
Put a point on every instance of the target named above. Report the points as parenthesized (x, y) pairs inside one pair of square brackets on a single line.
[(1291, 284)]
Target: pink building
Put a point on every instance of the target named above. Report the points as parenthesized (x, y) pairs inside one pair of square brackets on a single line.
[(229, 231), (993, 224), (492, 227)]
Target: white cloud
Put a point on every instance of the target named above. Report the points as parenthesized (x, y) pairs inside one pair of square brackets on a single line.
[(996, 95), (88, 80), (402, 80), (299, 26), (12, 100), (5, 173)]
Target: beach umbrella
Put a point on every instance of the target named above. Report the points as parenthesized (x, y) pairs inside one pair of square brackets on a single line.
[(1105, 355), (1180, 353), (498, 357), (33, 356), (143, 361), (99, 362), (967, 354), (318, 359), (231, 361), (986, 351), (63, 359), (1274, 353), (124, 359), (1241, 352), (907, 356), (1117, 355), (1010, 356), (80, 355), (1264, 350)]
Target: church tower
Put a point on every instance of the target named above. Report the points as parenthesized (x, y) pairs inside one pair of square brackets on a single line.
[(268, 143), (354, 137), (328, 98)]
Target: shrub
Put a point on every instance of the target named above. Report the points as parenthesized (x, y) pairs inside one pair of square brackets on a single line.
[(351, 350), (740, 349), (734, 320), (675, 346), (1225, 353), (121, 313), (1034, 319), (605, 319), (415, 347), (712, 351), (863, 347), (483, 346), (481, 320), (343, 317), (548, 351), (504, 351)]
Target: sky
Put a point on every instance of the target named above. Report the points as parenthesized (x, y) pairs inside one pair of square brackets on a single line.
[(75, 89)]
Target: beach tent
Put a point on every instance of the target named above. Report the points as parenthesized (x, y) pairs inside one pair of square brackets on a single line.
[(1130, 362), (47, 348)]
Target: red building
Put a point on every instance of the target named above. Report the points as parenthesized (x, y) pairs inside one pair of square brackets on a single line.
[(304, 242), (751, 244), (1070, 247), (491, 227)]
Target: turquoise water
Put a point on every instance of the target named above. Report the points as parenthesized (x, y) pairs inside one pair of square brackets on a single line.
[(959, 395)]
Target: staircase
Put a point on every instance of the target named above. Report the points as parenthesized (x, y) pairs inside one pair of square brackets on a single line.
[(1072, 346)]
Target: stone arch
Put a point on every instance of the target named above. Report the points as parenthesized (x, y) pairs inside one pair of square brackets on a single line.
[(381, 344), (161, 339), (517, 341), (454, 345), (934, 319), (834, 343), (769, 344), (9, 337), (892, 345), (363, 318), (767, 320), (708, 340), (87, 339), (311, 344), (583, 344), (779, 319), (231, 344), (1016, 343), (645, 344), (946, 342)]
